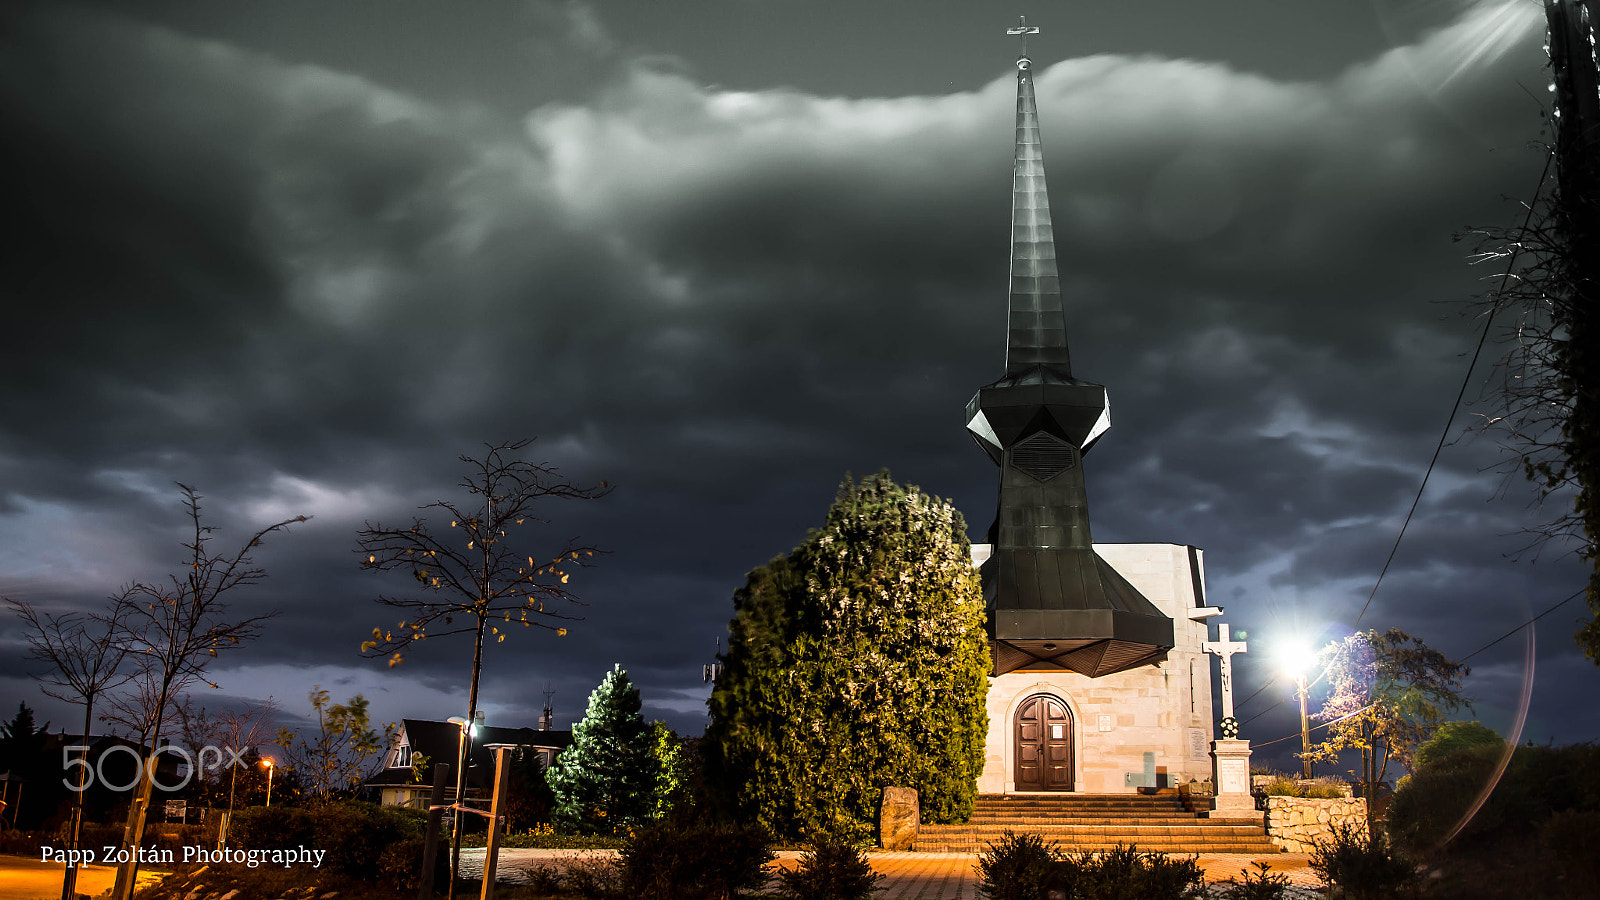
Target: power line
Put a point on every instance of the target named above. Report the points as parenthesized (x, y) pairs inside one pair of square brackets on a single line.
[(1270, 682), (1557, 605), (1465, 381), (1574, 596)]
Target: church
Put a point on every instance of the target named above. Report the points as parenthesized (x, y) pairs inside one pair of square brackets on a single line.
[(1101, 680)]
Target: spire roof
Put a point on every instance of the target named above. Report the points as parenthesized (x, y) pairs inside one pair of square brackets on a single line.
[(1037, 333)]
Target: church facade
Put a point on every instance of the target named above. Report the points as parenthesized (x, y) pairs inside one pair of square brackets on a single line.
[(1052, 729), (1101, 682)]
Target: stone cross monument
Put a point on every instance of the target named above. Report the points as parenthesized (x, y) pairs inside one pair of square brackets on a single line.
[(1225, 649), (1230, 756)]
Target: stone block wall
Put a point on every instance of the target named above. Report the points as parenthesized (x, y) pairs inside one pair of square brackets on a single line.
[(1297, 823)]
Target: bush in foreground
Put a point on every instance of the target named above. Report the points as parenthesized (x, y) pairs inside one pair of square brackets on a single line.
[(1016, 867), (1128, 873), (697, 862), (1258, 885), (1024, 867), (830, 869), (1363, 866)]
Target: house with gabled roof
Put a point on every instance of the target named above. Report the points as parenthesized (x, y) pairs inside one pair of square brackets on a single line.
[(396, 783)]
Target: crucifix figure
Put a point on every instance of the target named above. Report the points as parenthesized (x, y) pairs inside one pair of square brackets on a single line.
[(1225, 649), (1023, 30)]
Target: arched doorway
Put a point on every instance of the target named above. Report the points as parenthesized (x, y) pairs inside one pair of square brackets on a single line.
[(1043, 745)]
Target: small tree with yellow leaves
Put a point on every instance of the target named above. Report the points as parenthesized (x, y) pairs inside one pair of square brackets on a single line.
[(474, 578)]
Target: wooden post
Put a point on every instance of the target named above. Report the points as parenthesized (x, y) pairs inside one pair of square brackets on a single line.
[(491, 852), (430, 844)]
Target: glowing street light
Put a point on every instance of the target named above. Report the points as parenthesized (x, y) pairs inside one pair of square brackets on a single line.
[(467, 729), (268, 763), (1295, 657)]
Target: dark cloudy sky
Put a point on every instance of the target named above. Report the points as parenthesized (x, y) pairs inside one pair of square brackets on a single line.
[(303, 255)]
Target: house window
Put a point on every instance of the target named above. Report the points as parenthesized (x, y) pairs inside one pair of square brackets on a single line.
[(402, 756)]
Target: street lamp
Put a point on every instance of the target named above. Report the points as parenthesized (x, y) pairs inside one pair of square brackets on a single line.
[(1295, 658), (467, 729), (268, 763)]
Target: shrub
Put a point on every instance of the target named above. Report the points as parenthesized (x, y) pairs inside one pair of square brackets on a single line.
[(543, 879), (355, 835), (1572, 839), (1285, 786), (700, 861), (400, 864), (1538, 783), (1016, 867), (1362, 866), (1453, 737), (1259, 885), (272, 828), (830, 869), (595, 879), (544, 836), (1127, 873)]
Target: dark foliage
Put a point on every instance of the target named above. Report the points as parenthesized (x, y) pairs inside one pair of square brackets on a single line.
[(356, 836), (400, 864), (1453, 737), (1538, 784), (1127, 873), (1363, 866), (1550, 376), (866, 646), (1258, 885), (704, 862), (831, 868), (1016, 867)]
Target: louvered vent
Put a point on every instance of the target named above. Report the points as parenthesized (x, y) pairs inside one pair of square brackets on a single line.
[(1043, 457)]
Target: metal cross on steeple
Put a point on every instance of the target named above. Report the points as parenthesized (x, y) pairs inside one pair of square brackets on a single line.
[(1022, 30)]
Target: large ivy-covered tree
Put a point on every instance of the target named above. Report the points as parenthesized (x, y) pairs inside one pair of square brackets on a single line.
[(856, 662), (606, 780)]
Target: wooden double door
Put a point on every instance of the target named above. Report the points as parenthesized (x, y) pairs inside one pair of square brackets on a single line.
[(1044, 745)]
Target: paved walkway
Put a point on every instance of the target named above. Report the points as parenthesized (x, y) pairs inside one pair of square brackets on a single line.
[(26, 878), (907, 876)]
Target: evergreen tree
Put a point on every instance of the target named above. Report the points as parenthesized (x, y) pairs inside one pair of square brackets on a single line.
[(856, 662), (673, 775), (606, 780), (21, 744)]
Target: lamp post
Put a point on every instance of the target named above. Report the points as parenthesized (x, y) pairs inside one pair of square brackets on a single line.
[(268, 763), (466, 729), (1294, 657)]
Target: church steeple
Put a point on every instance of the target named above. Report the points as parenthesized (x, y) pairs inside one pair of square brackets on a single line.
[(1037, 332), (1053, 603)]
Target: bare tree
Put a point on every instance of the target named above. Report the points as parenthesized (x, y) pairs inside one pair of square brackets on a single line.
[(84, 656), (237, 729), (173, 632), (476, 570)]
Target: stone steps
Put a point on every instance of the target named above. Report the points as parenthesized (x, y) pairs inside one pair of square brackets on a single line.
[(1096, 822)]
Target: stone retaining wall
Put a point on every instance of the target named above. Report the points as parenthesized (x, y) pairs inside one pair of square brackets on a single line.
[(1296, 823)]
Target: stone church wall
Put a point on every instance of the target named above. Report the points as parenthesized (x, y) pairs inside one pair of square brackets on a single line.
[(1150, 724)]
